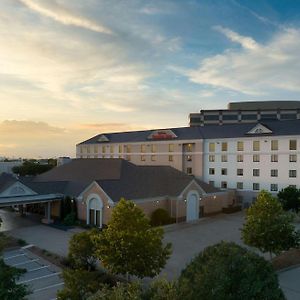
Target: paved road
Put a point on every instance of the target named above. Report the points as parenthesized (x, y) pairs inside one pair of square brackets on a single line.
[(42, 278), (290, 283)]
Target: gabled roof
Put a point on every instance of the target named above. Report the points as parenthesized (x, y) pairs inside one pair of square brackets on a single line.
[(6, 180)]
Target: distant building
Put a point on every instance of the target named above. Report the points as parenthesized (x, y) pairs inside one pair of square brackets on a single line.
[(7, 166)]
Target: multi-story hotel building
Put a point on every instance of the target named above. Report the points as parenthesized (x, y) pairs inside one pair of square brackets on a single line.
[(247, 157)]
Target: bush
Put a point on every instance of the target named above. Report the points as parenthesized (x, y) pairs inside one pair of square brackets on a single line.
[(70, 219), (160, 217), (227, 271), (290, 198)]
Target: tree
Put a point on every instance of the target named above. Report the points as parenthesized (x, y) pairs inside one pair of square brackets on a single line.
[(290, 198), (129, 245), (268, 227), (227, 271), (31, 167), (82, 251)]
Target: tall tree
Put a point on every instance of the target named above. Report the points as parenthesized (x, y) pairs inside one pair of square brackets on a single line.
[(268, 227), (290, 198), (129, 245)]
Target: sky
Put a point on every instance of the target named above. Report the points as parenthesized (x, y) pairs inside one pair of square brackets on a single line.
[(72, 69)]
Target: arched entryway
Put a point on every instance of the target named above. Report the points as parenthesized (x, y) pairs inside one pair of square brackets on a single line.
[(94, 211), (192, 206)]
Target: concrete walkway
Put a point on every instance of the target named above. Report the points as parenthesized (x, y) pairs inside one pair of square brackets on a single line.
[(290, 283)]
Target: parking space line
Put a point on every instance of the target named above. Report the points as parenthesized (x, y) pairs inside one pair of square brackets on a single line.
[(48, 287), (45, 276), (36, 269), (25, 262), (14, 256)]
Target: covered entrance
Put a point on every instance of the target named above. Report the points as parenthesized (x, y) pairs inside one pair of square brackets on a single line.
[(192, 206), (94, 211)]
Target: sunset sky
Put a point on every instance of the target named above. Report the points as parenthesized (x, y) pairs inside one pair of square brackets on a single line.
[(72, 69)]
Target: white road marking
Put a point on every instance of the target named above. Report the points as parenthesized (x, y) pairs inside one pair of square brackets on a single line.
[(27, 246), (23, 254), (25, 262), (36, 269), (48, 287), (45, 276)]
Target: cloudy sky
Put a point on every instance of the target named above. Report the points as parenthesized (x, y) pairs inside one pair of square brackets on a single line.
[(72, 69)]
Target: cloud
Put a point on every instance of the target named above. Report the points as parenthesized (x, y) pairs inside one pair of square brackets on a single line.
[(57, 12), (255, 68)]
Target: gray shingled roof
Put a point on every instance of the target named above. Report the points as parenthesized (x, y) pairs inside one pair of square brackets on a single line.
[(6, 180)]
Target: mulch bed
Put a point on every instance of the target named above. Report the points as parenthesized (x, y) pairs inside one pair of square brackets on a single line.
[(286, 259)]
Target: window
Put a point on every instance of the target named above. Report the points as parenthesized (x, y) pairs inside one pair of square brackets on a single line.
[(292, 173), (224, 158), (229, 117), (211, 171), (111, 156), (274, 173), (293, 157), (95, 156), (224, 184), (88, 149), (211, 117), (153, 158), (239, 185), (171, 147), (143, 157), (223, 171), (87, 156), (128, 157), (153, 148), (189, 148), (103, 149), (211, 182), (111, 148), (249, 117), (256, 158), (211, 158), (143, 148), (274, 145), (274, 187), (120, 148), (256, 146), (212, 147), (170, 157), (189, 171), (255, 186), (240, 172), (81, 149), (189, 157), (240, 146), (293, 144), (95, 149), (224, 146), (256, 172), (274, 158), (240, 158)]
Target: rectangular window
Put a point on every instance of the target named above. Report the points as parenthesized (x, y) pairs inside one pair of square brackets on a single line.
[(143, 157), (255, 186), (170, 157), (88, 149), (256, 146), (223, 171), (211, 117), (211, 171), (189, 171), (111, 148), (153, 158), (293, 157), (239, 185), (256, 158), (211, 158), (95, 156), (240, 172), (249, 117), (81, 149), (240, 158), (103, 149), (274, 173), (128, 157), (153, 148), (274, 158), (274, 187), (292, 173), (274, 145), (189, 157), (211, 182), (293, 144), (189, 148), (128, 148), (143, 148), (255, 172), (224, 146), (224, 158), (120, 148), (240, 146), (212, 147), (171, 147), (95, 149), (224, 184)]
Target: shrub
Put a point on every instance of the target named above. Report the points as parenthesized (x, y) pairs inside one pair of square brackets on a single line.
[(290, 198), (70, 219), (227, 271), (160, 217)]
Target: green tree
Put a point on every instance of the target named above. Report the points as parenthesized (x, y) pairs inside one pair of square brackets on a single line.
[(129, 245), (290, 198), (227, 271), (268, 227), (162, 289), (82, 251), (31, 167)]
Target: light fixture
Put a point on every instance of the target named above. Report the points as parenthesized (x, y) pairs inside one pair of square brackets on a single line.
[(107, 206), (157, 201), (215, 196), (184, 200)]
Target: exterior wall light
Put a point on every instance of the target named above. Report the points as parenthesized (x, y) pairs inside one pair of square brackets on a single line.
[(107, 206), (215, 196), (184, 200), (157, 201)]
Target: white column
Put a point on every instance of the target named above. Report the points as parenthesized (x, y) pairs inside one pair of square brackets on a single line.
[(48, 212)]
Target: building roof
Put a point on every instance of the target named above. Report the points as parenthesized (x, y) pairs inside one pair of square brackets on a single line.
[(268, 105), (6, 180)]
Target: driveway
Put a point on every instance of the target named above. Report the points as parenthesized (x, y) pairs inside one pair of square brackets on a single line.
[(189, 239), (290, 283)]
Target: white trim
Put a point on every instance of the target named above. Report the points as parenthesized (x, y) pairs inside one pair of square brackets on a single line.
[(192, 193), (188, 186), (17, 184), (88, 200)]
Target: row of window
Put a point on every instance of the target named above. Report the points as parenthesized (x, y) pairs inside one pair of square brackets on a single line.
[(255, 146), (255, 158), (255, 172)]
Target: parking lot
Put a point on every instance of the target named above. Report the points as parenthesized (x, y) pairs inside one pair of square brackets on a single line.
[(42, 278)]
